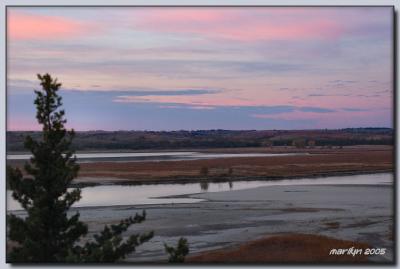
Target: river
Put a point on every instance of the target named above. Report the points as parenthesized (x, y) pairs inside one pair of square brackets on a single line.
[(112, 195), (156, 156)]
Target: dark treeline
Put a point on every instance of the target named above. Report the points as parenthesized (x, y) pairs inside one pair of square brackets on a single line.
[(139, 140)]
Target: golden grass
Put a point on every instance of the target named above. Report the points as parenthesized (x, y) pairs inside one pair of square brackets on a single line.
[(323, 162), (332, 225), (284, 166), (290, 248)]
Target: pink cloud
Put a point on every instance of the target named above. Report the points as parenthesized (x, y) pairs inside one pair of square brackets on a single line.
[(23, 26), (181, 15), (296, 115), (243, 24), (199, 102), (188, 107)]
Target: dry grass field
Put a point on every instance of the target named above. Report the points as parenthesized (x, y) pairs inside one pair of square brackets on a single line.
[(290, 248), (318, 163)]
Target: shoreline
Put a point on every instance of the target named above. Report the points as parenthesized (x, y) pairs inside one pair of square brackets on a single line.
[(222, 179)]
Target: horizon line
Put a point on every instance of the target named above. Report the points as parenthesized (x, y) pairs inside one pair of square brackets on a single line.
[(194, 130)]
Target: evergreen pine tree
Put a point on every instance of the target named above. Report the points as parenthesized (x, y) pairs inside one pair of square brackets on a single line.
[(178, 254), (48, 234)]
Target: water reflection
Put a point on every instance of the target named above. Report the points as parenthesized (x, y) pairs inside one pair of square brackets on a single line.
[(204, 185), (159, 193)]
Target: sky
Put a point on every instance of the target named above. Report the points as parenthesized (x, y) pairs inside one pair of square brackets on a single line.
[(191, 68)]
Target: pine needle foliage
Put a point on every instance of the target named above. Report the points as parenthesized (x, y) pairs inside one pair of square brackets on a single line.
[(48, 233), (177, 254)]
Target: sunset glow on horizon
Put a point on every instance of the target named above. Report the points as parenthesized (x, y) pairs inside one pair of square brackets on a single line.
[(175, 68)]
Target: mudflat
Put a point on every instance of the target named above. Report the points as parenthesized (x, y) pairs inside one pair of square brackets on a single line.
[(225, 220)]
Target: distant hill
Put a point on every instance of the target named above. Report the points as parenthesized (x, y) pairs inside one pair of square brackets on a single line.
[(138, 140)]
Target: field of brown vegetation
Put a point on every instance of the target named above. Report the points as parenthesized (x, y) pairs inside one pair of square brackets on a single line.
[(321, 162), (289, 248)]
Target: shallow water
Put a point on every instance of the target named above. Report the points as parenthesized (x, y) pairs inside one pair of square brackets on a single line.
[(110, 195), (157, 156)]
